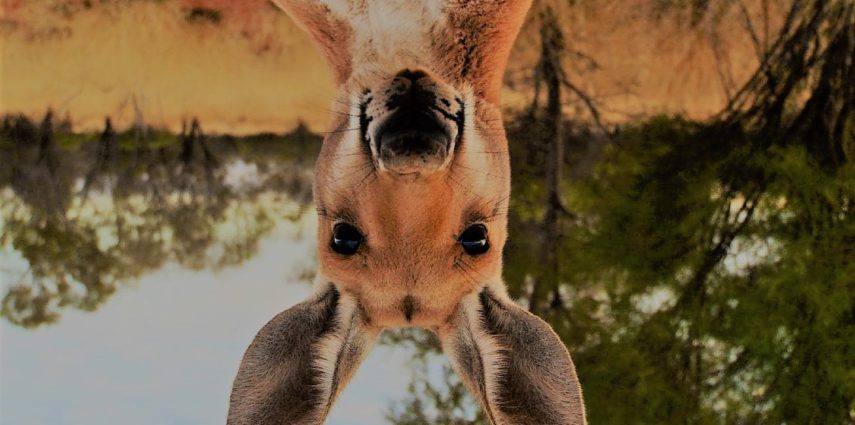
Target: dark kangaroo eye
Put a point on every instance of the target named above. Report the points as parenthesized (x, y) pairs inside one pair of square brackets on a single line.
[(474, 239), (345, 239)]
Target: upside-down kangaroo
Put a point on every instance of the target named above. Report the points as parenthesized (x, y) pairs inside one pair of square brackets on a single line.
[(411, 188)]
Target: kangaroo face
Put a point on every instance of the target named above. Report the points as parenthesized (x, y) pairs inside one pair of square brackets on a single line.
[(412, 189), (413, 180)]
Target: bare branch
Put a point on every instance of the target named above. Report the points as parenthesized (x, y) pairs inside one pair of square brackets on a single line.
[(588, 101)]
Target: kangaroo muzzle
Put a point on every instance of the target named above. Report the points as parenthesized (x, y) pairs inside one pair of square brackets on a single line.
[(421, 127)]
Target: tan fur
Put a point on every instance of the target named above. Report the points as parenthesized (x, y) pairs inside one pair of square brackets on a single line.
[(411, 269)]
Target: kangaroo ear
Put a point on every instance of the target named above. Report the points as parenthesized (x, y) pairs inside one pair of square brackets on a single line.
[(300, 361), (333, 36), (513, 362), (477, 41)]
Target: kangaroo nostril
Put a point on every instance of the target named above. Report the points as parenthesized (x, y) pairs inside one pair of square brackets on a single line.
[(411, 75)]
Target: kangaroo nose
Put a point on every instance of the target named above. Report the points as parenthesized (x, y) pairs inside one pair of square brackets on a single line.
[(416, 138)]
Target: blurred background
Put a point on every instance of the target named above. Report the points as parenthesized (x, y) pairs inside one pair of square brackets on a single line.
[(682, 209)]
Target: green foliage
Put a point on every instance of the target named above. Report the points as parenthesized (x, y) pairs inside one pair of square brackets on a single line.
[(730, 293)]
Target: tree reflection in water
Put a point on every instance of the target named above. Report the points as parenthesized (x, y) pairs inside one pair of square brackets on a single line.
[(87, 213)]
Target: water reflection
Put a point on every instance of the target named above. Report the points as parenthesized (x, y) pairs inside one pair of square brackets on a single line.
[(85, 213)]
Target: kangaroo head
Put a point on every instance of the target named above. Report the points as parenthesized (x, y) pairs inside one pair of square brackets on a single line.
[(413, 180), (412, 188)]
